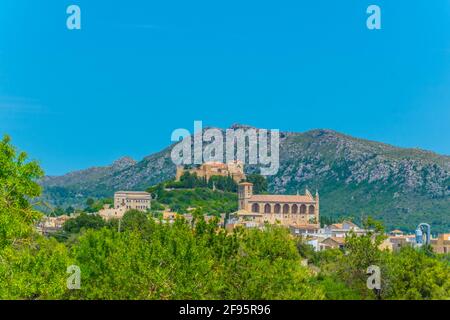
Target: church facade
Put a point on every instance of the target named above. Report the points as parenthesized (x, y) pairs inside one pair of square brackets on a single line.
[(288, 210)]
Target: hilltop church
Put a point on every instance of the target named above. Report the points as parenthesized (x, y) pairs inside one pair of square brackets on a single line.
[(288, 210)]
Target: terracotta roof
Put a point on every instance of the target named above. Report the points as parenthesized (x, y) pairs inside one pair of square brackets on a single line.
[(338, 240), (280, 198)]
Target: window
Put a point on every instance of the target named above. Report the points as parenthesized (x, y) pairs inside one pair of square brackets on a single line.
[(277, 208), (294, 208), (267, 208), (302, 209), (255, 207)]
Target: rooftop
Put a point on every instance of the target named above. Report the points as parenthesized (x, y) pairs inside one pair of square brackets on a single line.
[(134, 192), (281, 198)]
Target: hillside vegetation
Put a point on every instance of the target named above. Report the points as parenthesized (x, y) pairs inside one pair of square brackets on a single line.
[(143, 258), (355, 177)]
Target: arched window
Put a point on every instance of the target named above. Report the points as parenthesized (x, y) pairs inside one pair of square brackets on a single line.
[(255, 207), (286, 208), (267, 208), (294, 208), (311, 210), (277, 208), (302, 209)]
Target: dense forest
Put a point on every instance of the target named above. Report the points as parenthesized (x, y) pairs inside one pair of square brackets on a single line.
[(143, 258)]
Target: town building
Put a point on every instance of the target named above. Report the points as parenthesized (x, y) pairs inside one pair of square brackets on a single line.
[(396, 232), (341, 230), (332, 243), (125, 201), (287, 210), (50, 225), (441, 244), (234, 169), (304, 230), (396, 242), (108, 213), (132, 200)]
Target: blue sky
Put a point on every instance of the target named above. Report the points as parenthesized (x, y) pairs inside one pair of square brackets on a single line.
[(140, 69)]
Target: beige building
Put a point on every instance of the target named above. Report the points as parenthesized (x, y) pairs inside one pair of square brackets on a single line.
[(288, 210), (207, 170), (441, 244), (332, 243), (125, 201), (130, 200), (396, 242), (51, 224), (108, 213)]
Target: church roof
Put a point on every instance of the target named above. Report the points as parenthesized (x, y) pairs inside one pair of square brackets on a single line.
[(281, 198)]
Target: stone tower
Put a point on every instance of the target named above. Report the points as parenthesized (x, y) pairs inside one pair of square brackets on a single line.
[(245, 192)]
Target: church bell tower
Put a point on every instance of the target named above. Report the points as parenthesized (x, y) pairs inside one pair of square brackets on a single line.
[(245, 192)]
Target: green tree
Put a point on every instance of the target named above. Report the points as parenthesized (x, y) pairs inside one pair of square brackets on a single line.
[(136, 220), (260, 184), (17, 184), (36, 271), (90, 202), (415, 274), (83, 221), (31, 267), (362, 251), (70, 210)]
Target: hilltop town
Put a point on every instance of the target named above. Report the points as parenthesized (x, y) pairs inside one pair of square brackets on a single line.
[(299, 213), (355, 177), (204, 238)]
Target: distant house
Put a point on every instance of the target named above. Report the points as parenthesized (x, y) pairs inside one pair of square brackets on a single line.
[(341, 230), (304, 230), (108, 213), (396, 232), (51, 224), (332, 243), (400, 241), (314, 242), (441, 244)]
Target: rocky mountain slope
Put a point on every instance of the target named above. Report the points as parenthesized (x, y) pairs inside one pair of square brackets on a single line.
[(355, 177)]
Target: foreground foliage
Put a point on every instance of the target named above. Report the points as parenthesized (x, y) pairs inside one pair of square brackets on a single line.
[(142, 258)]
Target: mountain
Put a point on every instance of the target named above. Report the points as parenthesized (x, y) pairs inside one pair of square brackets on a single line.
[(355, 178)]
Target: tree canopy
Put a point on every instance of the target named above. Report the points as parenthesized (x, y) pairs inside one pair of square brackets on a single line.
[(145, 258)]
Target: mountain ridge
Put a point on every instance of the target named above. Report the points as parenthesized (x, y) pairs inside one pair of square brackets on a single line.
[(355, 177)]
